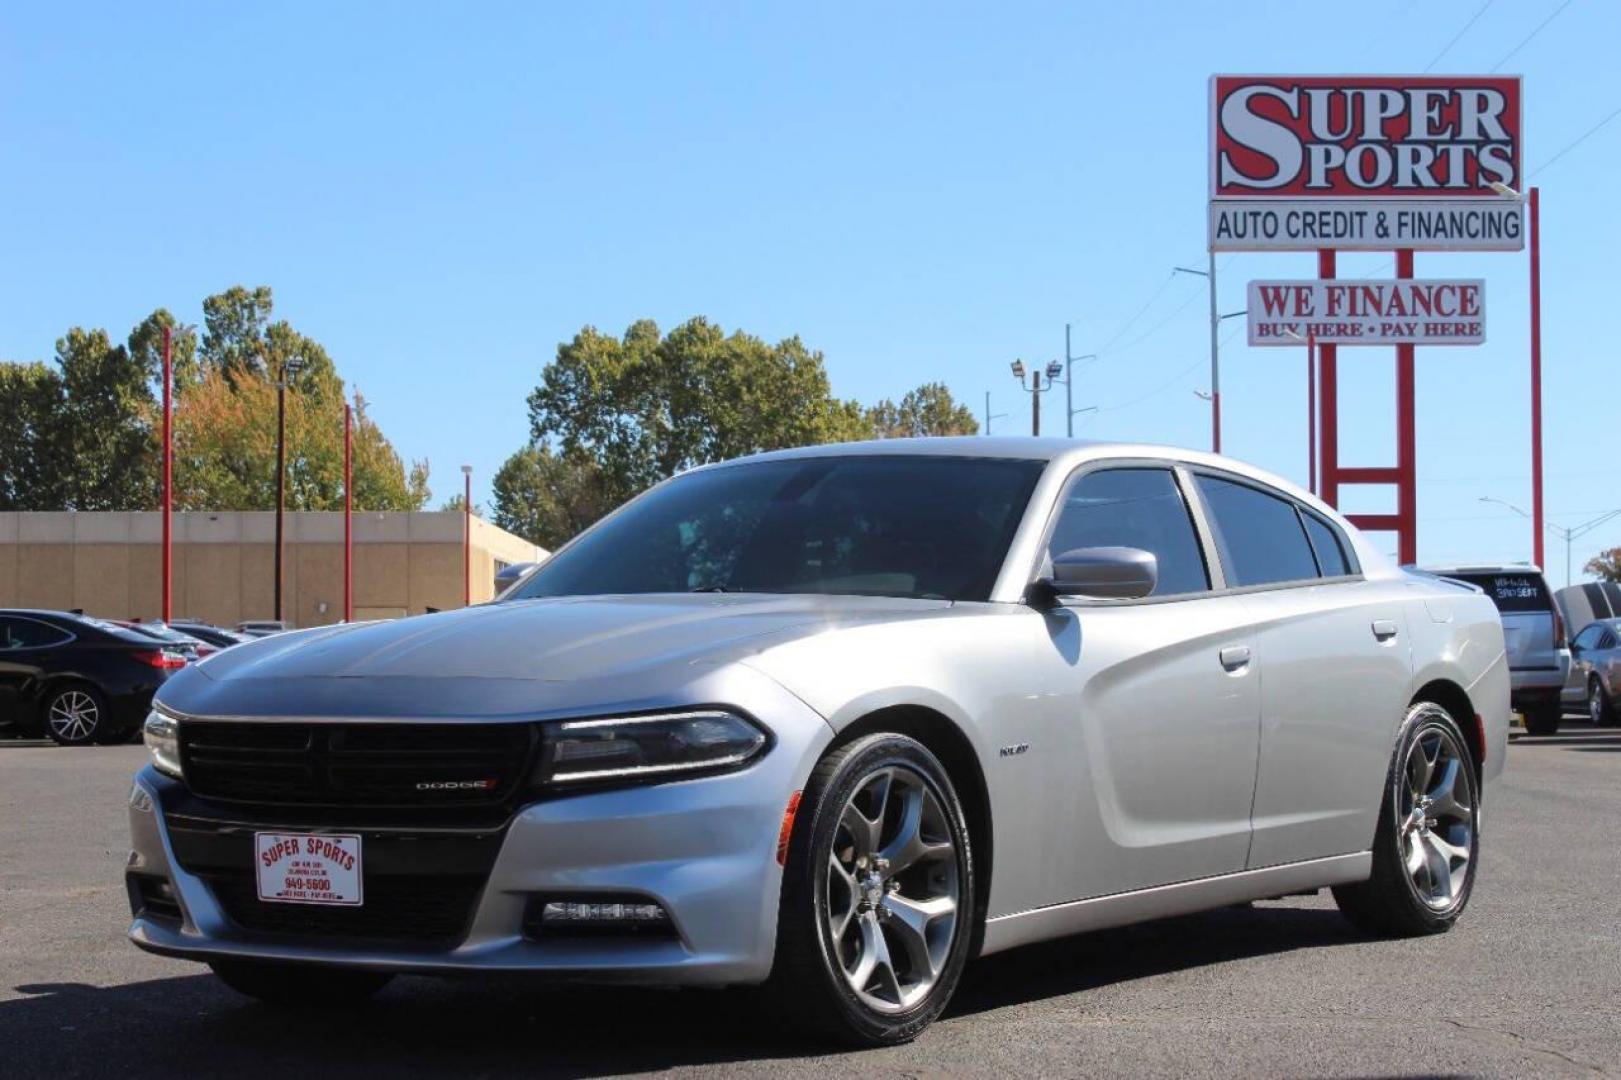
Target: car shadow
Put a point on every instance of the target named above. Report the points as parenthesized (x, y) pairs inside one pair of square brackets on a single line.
[(513, 1025), (1591, 739)]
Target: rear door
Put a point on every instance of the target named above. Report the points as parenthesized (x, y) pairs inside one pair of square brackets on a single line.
[(1335, 664)]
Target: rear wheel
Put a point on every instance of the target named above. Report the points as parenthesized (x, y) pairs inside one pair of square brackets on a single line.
[(878, 895), (1426, 846), (75, 715), (1542, 719), (300, 986), (1600, 709)]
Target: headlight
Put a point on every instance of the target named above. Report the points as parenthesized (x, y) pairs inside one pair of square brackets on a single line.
[(665, 745), (162, 736)]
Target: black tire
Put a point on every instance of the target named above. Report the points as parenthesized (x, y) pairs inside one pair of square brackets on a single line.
[(91, 721), (1542, 719), (299, 986), (1602, 710), (808, 985), (1389, 902)]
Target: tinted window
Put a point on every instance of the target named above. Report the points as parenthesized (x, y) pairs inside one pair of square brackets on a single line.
[(1512, 591), (29, 634), (886, 525), (1607, 641), (1140, 508), (1325, 542), (1259, 535)]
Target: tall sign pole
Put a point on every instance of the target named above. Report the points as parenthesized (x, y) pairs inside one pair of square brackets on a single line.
[(467, 533), (348, 513), (168, 471), (1536, 378)]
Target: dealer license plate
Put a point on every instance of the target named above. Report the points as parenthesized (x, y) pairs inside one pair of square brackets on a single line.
[(303, 868)]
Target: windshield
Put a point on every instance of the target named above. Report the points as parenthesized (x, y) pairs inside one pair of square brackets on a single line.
[(925, 527)]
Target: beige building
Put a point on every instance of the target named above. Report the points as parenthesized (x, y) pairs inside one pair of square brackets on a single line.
[(110, 564)]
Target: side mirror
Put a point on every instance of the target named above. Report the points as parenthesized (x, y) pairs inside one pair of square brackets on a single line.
[(1106, 573)]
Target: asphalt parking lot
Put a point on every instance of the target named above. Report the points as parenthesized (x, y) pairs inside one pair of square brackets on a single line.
[(1529, 984)]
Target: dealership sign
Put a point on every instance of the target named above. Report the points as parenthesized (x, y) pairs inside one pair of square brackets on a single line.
[(1381, 162), (1378, 312)]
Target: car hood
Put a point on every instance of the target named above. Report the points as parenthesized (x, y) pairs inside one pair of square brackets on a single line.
[(523, 657)]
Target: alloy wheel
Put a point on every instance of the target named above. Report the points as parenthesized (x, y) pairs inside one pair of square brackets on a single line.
[(892, 889), (1436, 818), (1595, 702), (73, 716)]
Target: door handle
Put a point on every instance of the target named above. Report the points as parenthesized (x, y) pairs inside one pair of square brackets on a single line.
[(1384, 629), (1235, 657)]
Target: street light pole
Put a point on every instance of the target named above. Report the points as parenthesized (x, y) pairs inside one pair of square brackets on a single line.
[(467, 534), (1036, 389), (289, 371), (168, 469), (1567, 534)]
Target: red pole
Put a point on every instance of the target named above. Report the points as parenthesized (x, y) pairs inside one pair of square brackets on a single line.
[(168, 470), (348, 513), (1311, 411), (467, 544), (1328, 389), (1406, 439), (1536, 379)]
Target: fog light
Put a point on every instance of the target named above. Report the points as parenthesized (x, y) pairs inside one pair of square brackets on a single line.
[(573, 913), (596, 916)]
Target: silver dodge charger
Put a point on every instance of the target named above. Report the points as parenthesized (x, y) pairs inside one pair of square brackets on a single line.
[(836, 720)]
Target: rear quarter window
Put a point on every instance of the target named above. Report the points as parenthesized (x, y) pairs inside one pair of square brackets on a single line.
[(1512, 592)]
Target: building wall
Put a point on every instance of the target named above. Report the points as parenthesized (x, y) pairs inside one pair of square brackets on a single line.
[(110, 564)]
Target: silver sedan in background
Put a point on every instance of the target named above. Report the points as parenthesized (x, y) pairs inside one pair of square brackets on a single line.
[(1595, 672), (837, 720)]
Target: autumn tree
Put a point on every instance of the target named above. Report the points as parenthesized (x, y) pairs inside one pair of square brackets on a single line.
[(1606, 565)]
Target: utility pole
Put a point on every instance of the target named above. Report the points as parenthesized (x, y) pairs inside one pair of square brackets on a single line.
[(1036, 389), (1070, 411), (168, 470), (467, 545), (1567, 534), (348, 513), (1215, 351), (289, 372), (988, 415)]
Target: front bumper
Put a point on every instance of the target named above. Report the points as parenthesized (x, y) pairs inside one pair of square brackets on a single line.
[(704, 849)]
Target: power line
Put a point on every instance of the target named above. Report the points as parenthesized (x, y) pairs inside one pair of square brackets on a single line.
[(1156, 328), (1140, 311), (1456, 37), (1558, 11), (1576, 142)]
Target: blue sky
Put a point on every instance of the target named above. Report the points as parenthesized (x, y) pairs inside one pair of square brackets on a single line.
[(924, 192)]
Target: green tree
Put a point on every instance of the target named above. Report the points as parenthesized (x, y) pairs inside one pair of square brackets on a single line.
[(146, 348), (548, 498), (108, 425), (644, 407), (34, 462), (928, 410)]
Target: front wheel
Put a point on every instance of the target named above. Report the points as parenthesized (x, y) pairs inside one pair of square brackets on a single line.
[(301, 986), (878, 895), (1427, 844)]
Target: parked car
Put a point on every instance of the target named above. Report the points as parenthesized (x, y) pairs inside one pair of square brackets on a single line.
[(836, 720), (261, 627), (1534, 633), (508, 576), (77, 679), (1595, 672), (217, 636), (187, 645)]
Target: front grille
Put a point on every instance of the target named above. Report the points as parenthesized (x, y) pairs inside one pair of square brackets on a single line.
[(384, 765), (416, 909)]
